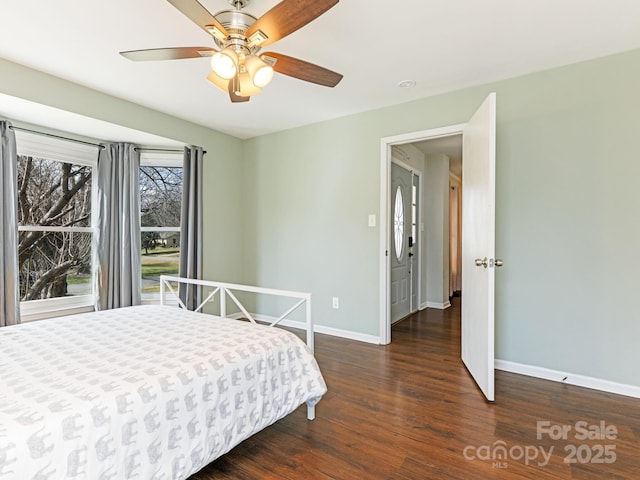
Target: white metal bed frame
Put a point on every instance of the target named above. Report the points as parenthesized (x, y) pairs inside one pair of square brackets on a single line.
[(226, 290)]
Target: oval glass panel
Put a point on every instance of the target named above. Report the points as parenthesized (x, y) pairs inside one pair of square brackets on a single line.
[(398, 223)]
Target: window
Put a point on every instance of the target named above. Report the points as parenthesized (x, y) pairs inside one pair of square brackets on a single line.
[(55, 224), (398, 223), (160, 210), (414, 210)]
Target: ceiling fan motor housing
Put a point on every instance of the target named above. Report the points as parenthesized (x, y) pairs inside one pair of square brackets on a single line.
[(236, 23)]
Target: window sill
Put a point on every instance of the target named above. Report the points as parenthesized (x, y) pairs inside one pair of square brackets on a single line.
[(55, 307), (154, 299)]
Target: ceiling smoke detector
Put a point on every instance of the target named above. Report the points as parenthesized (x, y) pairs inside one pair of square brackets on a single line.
[(407, 84)]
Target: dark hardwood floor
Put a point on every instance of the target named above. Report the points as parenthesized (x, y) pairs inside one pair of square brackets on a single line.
[(410, 410)]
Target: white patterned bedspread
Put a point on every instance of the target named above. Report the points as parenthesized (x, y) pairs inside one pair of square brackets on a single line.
[(146, 392)]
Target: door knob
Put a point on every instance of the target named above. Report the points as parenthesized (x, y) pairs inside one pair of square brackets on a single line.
[(498, 262), (484, 262)]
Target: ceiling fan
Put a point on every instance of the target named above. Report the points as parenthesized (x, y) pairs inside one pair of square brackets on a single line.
[(238, 66)]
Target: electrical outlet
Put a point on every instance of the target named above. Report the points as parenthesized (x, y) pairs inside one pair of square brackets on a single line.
[(336, 303)]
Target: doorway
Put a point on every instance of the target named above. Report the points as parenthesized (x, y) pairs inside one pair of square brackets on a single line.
[(418, 142)]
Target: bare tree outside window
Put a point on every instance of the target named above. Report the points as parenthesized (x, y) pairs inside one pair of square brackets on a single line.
[(55, 237), (160, 210), (55, 233)]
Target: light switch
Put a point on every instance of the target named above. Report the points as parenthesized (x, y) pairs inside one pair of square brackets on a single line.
[(372, 220)]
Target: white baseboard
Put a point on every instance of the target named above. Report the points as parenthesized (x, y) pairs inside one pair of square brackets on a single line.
[(335, 332), (439, 306), (569, 378)]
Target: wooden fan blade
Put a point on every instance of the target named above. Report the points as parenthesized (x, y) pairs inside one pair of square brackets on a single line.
[(306, 71), (175, 53), (287, 17), (199, 15)]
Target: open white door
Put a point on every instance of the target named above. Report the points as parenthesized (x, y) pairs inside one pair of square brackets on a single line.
[(478, 245)]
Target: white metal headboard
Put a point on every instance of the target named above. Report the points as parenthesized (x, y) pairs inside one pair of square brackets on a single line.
[(226, 291)]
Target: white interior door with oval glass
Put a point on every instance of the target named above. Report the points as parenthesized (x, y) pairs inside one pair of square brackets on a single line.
[(401, 242)]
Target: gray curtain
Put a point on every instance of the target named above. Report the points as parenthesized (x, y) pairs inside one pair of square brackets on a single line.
[(9, 286), (118, 239), (191, 224)]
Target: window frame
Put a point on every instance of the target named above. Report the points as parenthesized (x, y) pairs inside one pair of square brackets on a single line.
[(167, 159), (64, 151)]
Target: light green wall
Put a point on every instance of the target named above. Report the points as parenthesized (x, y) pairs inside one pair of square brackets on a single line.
[(222, 165), (567, 229), (306, 219), (436, 204), (567, 194)]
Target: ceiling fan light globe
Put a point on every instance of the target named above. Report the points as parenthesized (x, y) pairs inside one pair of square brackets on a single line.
[(219, 82), (246, 85), (224, 63), (263, 76), (260, 71)]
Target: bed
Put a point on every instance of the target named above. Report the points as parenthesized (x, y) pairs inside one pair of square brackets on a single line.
[(147, 392)]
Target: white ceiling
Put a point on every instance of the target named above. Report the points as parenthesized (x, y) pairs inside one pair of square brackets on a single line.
[(443, 45)]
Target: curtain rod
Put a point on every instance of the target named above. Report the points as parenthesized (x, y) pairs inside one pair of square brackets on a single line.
[(173, 150), (142, 149), (12, 127)]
